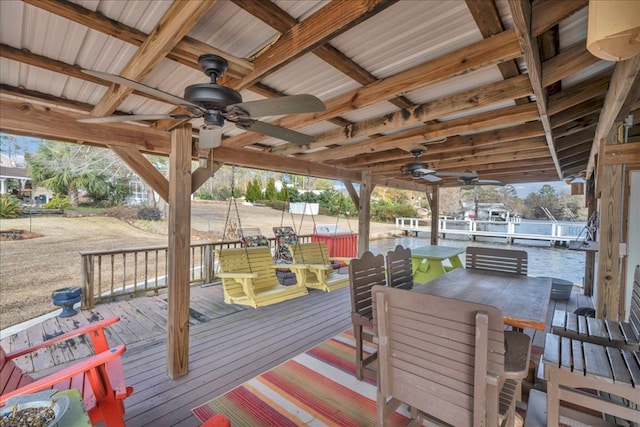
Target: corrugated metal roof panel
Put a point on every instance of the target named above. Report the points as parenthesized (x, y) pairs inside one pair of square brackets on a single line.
[(233, 30), (301, 10), (457, 84), (573, 29), (408, 34), (310, 74)]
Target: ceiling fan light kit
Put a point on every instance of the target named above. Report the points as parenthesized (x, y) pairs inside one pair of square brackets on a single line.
[(216, 104)]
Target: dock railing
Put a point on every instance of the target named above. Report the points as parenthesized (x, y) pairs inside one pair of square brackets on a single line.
[(108, 275), (553, 232)]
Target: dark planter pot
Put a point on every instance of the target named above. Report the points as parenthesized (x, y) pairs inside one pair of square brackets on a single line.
[(66, 298)]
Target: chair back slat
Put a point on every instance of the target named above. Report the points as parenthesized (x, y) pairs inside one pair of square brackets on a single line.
[(435, 354), (399, 268), (503, 260), (364, 273)]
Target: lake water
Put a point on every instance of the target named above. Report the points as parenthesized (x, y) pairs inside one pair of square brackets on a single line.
[(547, 261)]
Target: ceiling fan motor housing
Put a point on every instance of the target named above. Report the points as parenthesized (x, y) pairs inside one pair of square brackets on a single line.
[(211, 96)]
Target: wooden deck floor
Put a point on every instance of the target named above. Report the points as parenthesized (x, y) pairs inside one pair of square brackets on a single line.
[(228, 345)]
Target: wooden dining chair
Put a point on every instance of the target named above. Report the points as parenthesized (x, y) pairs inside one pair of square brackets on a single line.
[(364, 273), (442, 357), (399, 268), (503, 260)]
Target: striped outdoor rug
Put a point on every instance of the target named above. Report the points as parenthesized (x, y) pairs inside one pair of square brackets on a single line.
[(315, 388)]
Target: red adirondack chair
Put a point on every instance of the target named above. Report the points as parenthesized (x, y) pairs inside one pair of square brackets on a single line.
[(99, 378)]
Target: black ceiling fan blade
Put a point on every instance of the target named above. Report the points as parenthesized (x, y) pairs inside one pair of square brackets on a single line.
[(461, 175), (488, 182), (304, 103), (167, 97), (431, 177), (132, 118), (275, 131)]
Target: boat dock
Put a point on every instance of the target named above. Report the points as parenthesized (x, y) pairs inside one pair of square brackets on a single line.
[(556, 233)]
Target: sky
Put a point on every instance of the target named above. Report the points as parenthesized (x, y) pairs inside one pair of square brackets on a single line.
[(30, 144)]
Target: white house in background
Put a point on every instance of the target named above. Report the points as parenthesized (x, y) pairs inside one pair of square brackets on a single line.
[(487, 212), (10, 174)]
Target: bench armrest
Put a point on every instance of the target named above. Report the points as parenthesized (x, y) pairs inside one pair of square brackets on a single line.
[(237, 275), (49, 381), (95, 330)]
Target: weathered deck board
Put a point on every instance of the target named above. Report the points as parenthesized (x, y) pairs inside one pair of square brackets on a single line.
[(229, 344)]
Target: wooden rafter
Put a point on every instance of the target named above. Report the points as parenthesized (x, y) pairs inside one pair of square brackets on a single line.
[(510, 89), (521, 13), (185, 52), (491, 51), (328, 22), (488, 20), (277, 18)]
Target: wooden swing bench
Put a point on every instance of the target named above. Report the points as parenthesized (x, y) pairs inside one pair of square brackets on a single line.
[(249, 278), (317, 271), (99, 378)]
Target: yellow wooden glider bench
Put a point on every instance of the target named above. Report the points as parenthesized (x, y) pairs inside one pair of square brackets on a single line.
[(249, 278), (318, 272)]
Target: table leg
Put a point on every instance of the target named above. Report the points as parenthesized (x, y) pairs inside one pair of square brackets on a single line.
[(455, 263), (427, 270)]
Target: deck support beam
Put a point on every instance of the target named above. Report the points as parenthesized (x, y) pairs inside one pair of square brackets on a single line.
[(433, 198), (178, 257), (364, 212), (608, 280)]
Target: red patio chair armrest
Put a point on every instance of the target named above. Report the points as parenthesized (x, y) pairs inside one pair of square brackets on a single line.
[(94, 330), (89, 364)]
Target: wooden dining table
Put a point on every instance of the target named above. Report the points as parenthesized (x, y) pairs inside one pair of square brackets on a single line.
[(523, 300)]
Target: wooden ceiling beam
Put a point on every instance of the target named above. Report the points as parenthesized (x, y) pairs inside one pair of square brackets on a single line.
[(185, 52), (521, 13), (577, 138), (470, 124), (272, 15), (55, 66), (22, 118), (510, 89), (488, 20), (565, 155), (577, 125), (567, 63), (624, 78), (330, 21), (173, 26), (547, 13), (577, 112), (491, 51), (579, 94)]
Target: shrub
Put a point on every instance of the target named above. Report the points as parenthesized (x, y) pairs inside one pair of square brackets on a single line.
[(204, 194), (9, 207), (58, 202), (150, 214), (125, 213)]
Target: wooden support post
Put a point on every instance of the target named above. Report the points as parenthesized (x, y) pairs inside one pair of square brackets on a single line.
[(178, 259), (433, 197), (590, 256), (364, 212), (608, 279)]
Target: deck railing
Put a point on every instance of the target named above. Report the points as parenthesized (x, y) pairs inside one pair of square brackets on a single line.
[(108, 275)]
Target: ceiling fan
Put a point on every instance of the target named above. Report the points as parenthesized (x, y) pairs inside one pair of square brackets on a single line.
[(216, 103), (471, 183), (420, 170)]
